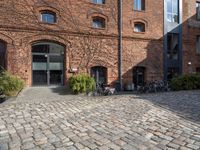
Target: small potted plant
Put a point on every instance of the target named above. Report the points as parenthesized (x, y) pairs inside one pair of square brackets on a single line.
[(2, 96)]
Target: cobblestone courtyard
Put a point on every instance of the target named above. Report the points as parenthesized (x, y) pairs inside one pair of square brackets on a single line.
[(44, 118)]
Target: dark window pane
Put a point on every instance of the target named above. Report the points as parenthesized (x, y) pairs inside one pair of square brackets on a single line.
[(198, 44), (39, 77), (198, 10), (56, 76), (2, 54), (139, 27), (98, 22), (172, 46), (172, 72), (138, 76), (198, 70), (40, 49), (100, 74)]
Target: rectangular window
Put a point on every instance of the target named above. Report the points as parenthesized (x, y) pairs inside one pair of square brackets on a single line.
[(198, 44), (198, 10), (139, 5), (173, 10), (172, 46)]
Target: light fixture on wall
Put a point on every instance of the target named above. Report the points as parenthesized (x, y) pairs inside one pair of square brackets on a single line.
[(190, 66)]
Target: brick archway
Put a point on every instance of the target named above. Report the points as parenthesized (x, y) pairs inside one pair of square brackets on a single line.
[(26, 44), (47, 63)]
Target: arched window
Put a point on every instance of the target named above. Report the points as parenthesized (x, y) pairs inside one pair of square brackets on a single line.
[(99, 73), (48, 16), (2, 54), (139, 27), (98, 22)]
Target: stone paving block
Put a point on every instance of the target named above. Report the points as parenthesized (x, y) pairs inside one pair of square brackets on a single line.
[(185, 148), (173, 145), (192, 146), (28, 145), (119, 122), (3, 146)]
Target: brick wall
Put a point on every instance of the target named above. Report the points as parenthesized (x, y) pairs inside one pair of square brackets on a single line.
[(191, 29), (21, 26)]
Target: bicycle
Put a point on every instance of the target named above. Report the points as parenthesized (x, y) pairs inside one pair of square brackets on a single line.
[(154, 87), (103, 90)]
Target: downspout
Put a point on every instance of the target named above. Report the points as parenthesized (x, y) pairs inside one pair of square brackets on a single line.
[(120, 44)]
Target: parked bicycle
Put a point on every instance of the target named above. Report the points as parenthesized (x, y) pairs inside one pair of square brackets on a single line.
[(2, 96), (103, 90), (154, 86)]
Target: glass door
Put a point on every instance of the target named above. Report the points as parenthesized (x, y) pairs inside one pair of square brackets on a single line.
[(40, 71), (47, 64), (55, 69)]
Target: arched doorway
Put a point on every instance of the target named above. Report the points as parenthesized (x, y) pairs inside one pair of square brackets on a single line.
[(99, 73), (138, 76), (2, 54), (47, 63)]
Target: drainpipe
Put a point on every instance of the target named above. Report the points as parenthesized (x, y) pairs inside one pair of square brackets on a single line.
[(120, 44)]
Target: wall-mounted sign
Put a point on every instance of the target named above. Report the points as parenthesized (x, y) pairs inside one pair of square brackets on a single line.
[(73, 70)]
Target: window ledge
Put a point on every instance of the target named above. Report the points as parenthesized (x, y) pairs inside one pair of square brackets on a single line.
[(139, 11), (139, 32), (98, 28), (46, 23)]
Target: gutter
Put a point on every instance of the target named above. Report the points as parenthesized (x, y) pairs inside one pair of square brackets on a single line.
[(120, 45)]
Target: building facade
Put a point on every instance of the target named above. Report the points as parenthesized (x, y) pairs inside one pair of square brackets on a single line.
[(45, 41)]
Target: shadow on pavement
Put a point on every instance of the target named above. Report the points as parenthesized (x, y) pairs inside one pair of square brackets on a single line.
[(185, 103), (61, 90)]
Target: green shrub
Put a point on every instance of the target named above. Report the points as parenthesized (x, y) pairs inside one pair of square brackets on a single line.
[(81, 84), (186, 82), (10, 84)]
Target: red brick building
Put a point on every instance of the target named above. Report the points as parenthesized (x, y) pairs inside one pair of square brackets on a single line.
[(45, 41)]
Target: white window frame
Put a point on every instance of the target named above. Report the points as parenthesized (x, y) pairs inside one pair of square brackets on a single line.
[(172, 14), (139, 5)]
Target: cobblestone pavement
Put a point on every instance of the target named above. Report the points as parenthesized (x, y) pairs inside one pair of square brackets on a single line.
[(42, 119)]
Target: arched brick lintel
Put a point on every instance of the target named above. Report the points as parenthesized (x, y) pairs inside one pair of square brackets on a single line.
[(6, 39), (27, 41)]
